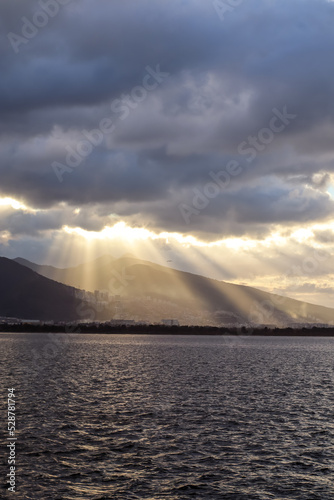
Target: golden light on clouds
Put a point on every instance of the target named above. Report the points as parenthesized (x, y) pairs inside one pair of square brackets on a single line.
[(128, 234), (15, 204), (261, 263), (124, 232), (250, 260), (121, 231)]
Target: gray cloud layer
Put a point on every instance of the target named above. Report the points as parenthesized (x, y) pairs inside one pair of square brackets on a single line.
[(225, 79)]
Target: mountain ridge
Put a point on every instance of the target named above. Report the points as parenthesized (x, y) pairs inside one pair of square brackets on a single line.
[(200, 298), (25, 294)]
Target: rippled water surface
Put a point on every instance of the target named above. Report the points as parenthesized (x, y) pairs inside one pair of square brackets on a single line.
[(163, 417)]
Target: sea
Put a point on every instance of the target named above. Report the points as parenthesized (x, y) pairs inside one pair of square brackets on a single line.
[(168, 417)]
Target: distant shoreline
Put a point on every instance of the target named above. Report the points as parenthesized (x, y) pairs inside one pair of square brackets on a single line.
[(104, 328)]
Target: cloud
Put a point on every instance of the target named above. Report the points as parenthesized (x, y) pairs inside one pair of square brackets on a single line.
[(225, 79), (324, 236)]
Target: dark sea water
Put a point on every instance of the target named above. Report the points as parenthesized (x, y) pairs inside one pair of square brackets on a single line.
[(163, 417)]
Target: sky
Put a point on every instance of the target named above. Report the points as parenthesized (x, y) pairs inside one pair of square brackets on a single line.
[(194, 133)]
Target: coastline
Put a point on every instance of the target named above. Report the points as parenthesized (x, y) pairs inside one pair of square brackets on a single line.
[(104, 328)]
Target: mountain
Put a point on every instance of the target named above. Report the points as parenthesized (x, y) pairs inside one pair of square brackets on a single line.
[(25, 294), (78, 276), (146, 291)]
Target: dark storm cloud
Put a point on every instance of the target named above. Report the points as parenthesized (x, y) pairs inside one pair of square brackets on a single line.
[(19, 222), (38, 236), (225, 79), (235, 212)]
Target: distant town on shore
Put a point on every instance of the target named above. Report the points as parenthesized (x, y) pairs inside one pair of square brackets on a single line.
[(132, 328)]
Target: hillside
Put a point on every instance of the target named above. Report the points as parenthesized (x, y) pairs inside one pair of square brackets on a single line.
[(25, 294), (150, 292)]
